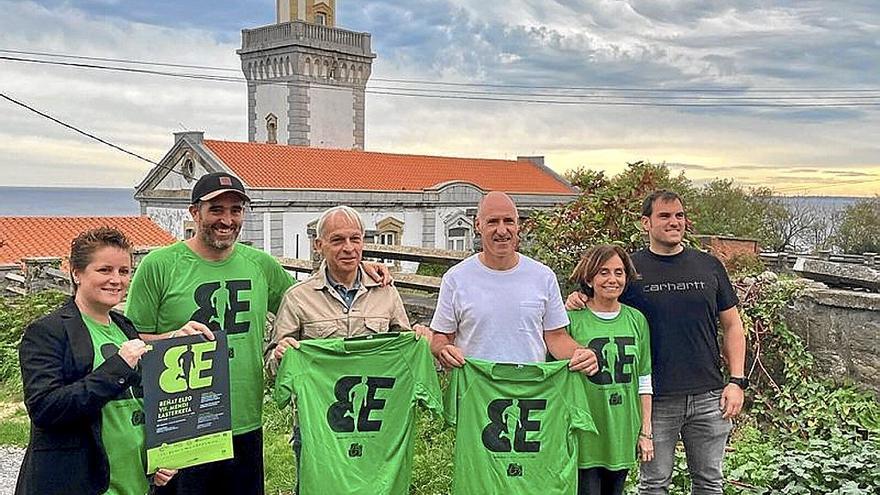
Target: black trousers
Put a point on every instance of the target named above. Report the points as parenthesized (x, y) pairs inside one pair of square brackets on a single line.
[(240, 475), (601, 481)]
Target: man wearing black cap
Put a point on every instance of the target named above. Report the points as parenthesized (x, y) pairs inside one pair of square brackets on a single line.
[(226, 286)]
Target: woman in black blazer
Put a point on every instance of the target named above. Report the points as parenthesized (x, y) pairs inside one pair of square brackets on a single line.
[(86, 408)]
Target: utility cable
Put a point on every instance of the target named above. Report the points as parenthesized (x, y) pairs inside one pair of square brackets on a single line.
[(472, 84), (75, 129), (871, 101)]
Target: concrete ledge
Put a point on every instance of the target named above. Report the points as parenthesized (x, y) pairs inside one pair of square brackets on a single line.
[(845, 298), (846, 274)]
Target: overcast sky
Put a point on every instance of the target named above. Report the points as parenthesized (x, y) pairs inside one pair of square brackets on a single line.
[(750, 45)]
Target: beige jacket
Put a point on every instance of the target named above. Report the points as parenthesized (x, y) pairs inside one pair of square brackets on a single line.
[(314, 310)]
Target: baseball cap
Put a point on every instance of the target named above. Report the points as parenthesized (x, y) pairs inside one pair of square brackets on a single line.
[(214, 184)]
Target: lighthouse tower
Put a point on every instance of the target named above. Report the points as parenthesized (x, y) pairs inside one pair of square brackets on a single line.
[(306, 78)]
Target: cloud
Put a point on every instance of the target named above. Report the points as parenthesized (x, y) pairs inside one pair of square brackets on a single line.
[(740, 44)]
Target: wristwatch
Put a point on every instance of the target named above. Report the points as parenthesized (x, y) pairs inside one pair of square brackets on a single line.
[(740, 381)]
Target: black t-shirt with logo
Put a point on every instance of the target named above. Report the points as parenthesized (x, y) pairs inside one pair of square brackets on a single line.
[(681, 296)]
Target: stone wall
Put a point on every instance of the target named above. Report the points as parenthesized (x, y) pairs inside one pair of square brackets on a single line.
[(842, 330)]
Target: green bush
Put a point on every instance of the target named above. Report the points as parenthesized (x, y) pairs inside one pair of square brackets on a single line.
[(800, 434), (15, 314), (744, 264), (432, 269), (859, 227), (608, 210)]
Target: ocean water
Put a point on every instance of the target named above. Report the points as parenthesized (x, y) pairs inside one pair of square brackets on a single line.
[(105, 202), (67, 201)]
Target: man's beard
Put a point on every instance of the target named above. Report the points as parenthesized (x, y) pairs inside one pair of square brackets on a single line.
[(209, 238)]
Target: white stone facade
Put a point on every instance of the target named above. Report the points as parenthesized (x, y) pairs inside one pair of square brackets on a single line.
[(281, 221)]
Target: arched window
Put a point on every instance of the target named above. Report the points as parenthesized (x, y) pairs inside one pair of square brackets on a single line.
[(188, 169), (321, 19)]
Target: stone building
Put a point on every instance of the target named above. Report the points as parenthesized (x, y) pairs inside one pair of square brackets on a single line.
[(424, 201), (306, 82)]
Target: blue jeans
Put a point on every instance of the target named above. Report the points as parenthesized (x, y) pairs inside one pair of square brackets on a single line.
[(697, 420), (296, 443)]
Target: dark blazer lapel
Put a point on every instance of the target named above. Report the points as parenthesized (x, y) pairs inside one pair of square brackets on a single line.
[(78, 337), (125, 325)]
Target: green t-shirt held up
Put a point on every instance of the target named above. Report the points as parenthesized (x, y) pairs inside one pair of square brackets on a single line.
[(356, 402), (623, 347), (173, 285), (122, 419), (515, 427)]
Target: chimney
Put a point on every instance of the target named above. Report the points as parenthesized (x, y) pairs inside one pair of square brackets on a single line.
[(537, 160), (195, 137)]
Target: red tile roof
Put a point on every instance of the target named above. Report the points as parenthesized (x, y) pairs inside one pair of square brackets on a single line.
[(22, 237), (274, 166)]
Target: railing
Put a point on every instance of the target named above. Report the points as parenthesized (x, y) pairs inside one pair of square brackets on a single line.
[(40, 273), (395, 253), (280, 34)]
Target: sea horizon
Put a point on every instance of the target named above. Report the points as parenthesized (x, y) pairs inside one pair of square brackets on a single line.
[(75, 201), (100, 201)]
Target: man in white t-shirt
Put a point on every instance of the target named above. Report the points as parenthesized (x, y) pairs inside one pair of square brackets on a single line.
[(500, 305)]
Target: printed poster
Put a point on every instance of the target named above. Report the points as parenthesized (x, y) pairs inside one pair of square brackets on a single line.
[(186, 402)]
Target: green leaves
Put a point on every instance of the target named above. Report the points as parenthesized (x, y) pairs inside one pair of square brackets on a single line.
[(608, 211), (15, 314), (859, 230)]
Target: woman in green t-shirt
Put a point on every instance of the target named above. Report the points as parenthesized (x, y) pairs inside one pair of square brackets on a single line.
[(82, 385), (619, 394)]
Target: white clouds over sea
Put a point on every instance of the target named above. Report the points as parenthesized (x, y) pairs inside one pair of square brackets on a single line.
[(637, 43)]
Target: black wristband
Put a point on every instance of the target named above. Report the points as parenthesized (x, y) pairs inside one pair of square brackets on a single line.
[(741, 382)]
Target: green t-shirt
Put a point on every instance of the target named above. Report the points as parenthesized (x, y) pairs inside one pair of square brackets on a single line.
[(623, 347), (515, 427), (122, 420), (355, 399), (173, 285)]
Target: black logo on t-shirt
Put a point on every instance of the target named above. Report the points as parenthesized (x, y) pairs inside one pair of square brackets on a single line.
[(612, 359), (219, 305), (355, 450), (355, 400), (509, 423), (514, 469), (675, 286)]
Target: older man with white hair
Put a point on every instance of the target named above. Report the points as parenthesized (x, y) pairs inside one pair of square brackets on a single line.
[(338, 300)]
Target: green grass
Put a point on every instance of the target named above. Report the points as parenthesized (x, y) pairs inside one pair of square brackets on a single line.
[(14, 423), (278, 458)]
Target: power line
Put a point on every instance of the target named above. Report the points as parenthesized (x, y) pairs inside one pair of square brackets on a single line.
[(85, 133), (632, 103), (634, 89), (122, 60), (861, 97), (825, 186), (471, 84), (591, 100)]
